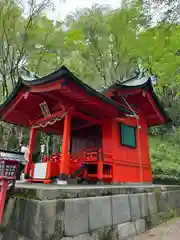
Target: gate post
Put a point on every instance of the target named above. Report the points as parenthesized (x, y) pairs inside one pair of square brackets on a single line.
[(4, 188), (8, 170)]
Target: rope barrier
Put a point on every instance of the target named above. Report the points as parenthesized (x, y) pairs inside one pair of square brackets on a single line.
[(51, 122)]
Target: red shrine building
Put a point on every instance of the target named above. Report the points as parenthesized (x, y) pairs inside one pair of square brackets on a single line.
[(104, 135)]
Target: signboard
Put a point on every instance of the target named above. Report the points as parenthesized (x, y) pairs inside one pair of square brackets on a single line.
[(11, 155)]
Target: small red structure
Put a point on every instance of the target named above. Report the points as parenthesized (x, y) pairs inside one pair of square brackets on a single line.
[(8, 170), (104, 134)]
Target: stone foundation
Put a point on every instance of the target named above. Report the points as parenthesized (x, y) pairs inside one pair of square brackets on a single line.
[(109, 216)]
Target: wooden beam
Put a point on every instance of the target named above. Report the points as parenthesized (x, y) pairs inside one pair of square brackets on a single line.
[(123, 92), (131, 121), (154, 107), (127, 107), (85, 117), (44, 120), (51, 117), (41, 99), (122, 103), (13, 105), (53, 97), (47, 87), (81, 127), (127, 92), (61, 102)]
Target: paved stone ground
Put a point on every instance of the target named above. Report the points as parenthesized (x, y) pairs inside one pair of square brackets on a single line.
[(166, 231)]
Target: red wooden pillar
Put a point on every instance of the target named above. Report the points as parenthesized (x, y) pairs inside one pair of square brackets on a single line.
[(65, 159), (100, 171), (113, 171), (31, 148), (3, 191)]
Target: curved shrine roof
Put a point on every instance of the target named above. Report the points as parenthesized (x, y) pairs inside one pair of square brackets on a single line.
[(135, 84), (60, 88)]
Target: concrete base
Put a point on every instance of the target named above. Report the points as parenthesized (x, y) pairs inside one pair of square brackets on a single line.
[(53, 191), (44, 212)]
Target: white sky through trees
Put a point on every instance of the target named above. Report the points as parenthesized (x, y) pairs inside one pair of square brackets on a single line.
[(63, 8)]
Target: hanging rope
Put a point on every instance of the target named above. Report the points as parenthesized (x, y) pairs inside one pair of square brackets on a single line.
[(139, 148), (51, 122)]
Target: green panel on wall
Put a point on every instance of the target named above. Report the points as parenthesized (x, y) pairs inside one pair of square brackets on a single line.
[(128, 135)]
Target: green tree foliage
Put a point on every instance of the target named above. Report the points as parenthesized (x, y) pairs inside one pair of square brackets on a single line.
[(45, 46), (158, 50), (106, 42), (20, 36), (100, 45), (157, 47), (165, 157), (16, 44)]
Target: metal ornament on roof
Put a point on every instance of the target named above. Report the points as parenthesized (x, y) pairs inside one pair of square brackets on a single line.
[(27, 75), (143, 72), (154, 79)]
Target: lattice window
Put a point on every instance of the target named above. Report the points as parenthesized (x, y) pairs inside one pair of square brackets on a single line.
[(1, 168), (8, 170)]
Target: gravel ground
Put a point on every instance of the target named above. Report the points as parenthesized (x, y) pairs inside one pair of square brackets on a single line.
[(166, 231)]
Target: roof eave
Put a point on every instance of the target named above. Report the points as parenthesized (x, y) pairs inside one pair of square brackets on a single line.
[(148, 83), (59, 74), (64, 72), (19, 85)]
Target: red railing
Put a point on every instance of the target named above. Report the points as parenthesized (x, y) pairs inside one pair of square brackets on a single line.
[(88, 155), (92, 157), (84, 155)]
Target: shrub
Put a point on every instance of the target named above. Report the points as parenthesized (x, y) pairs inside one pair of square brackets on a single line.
[(165, 157)]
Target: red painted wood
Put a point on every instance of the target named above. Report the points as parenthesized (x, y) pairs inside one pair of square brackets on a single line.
[(12, 106), (86, 117), (143, 101), (46, 87), (82, 127), (161, 118), (64, 168), (127, 164), (46, 119), (4, 187), (126, 161), (100, 170)]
